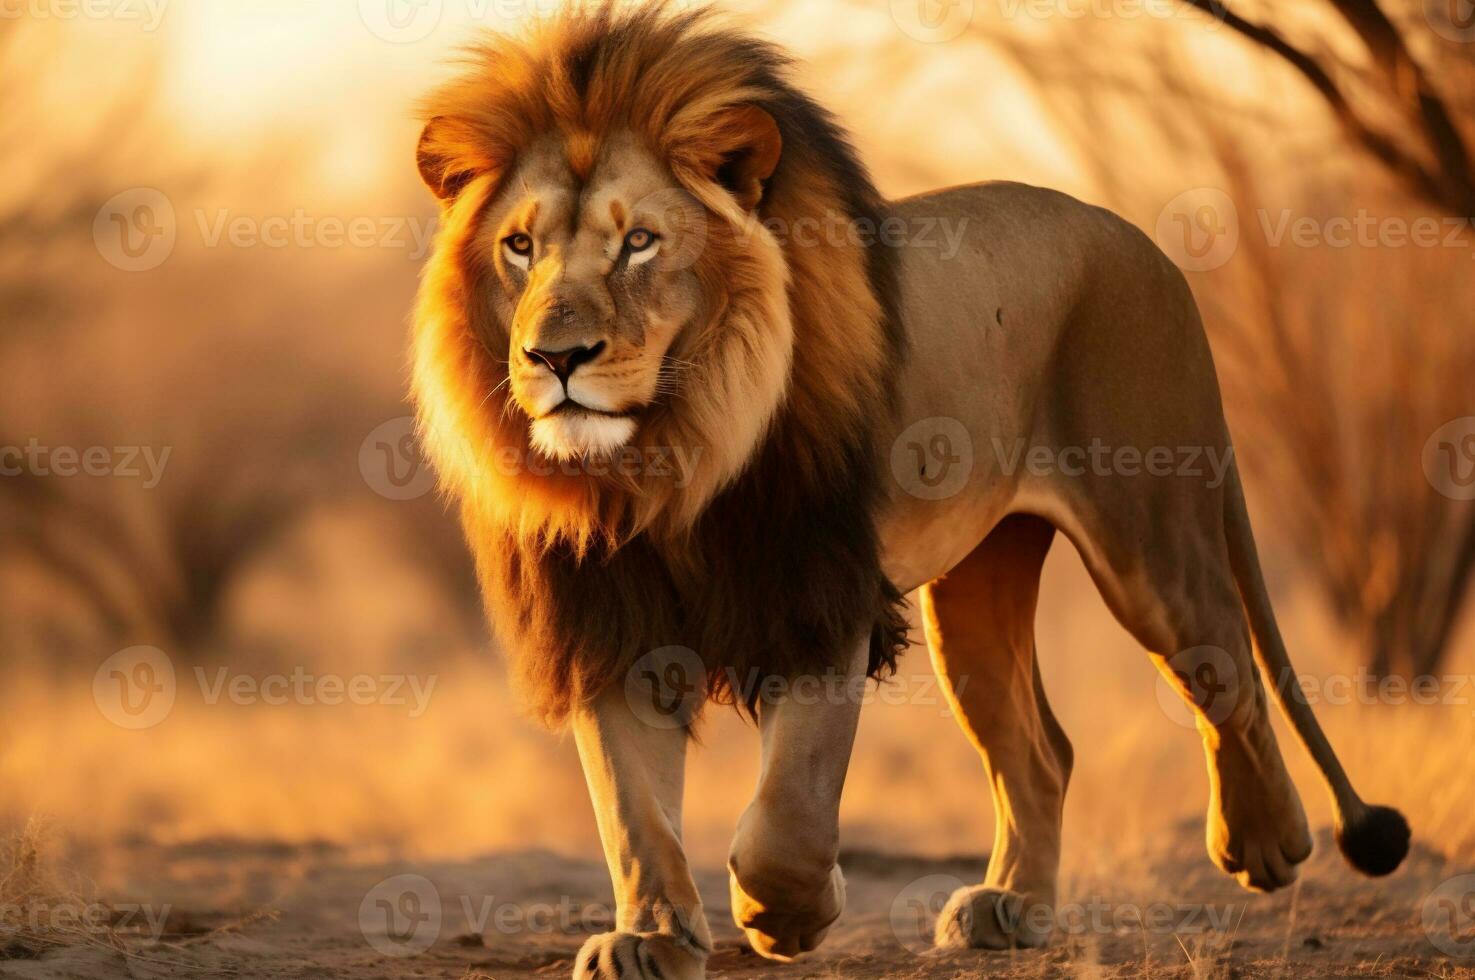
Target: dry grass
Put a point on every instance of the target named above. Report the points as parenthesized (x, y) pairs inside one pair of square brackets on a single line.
[(39, 909)]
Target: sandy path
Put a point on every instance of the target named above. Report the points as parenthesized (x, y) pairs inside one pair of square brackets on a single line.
[(280, 912)]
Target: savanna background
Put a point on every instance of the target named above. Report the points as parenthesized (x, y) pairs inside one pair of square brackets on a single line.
[(210, 232)]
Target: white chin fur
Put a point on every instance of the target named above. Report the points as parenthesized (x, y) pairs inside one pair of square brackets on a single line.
[(571, 435)]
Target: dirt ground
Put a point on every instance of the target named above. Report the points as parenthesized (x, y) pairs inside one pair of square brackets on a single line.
[(234, 910)]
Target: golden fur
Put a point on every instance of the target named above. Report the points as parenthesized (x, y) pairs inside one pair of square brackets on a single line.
[(782, 369)]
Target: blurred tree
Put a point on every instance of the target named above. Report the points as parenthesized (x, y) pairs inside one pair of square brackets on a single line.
[(260, 434), (1422, 146), (1392, 553)]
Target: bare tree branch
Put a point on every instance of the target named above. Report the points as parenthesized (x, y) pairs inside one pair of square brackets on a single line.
[(1451, 183)]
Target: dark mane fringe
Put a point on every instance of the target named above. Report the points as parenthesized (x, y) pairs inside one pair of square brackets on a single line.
[(781, 575)]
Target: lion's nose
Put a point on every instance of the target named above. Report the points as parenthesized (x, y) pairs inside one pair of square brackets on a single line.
[(564, 363)]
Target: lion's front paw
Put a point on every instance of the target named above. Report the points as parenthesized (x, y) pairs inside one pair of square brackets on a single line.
[(782, 930), (992, 918), (638, 956)]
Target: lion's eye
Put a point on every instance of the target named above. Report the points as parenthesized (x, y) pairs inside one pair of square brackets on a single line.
[(519, 249), (640, 245)]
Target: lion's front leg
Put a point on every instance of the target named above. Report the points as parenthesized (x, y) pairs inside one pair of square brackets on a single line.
[(635, 768), (786, 885)]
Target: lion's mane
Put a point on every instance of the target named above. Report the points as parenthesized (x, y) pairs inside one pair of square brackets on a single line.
[(766, 561)]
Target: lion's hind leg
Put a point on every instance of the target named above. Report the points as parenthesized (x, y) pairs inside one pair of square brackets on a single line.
[(980, 628), (1169, 581)]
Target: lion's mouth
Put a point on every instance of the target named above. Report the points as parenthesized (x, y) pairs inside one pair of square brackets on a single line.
[(569, 406), (571, 430)]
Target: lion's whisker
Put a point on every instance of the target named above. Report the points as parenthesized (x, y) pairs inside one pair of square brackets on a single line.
[(495, 389)]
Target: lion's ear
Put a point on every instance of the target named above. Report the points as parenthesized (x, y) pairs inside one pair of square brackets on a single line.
[(449, 157), (749, 145)]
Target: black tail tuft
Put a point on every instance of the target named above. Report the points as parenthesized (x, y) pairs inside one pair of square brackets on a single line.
[(1377, 843)]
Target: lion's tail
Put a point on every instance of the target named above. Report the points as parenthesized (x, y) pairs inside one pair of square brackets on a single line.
[(1374, 839)]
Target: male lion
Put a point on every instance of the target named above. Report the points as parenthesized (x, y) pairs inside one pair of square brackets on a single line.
[(655, 249)]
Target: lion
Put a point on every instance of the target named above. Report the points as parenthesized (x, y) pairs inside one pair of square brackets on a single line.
[(709, 407)]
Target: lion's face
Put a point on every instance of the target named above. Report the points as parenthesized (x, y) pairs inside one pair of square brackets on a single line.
[(594, 282), (612, 284)]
